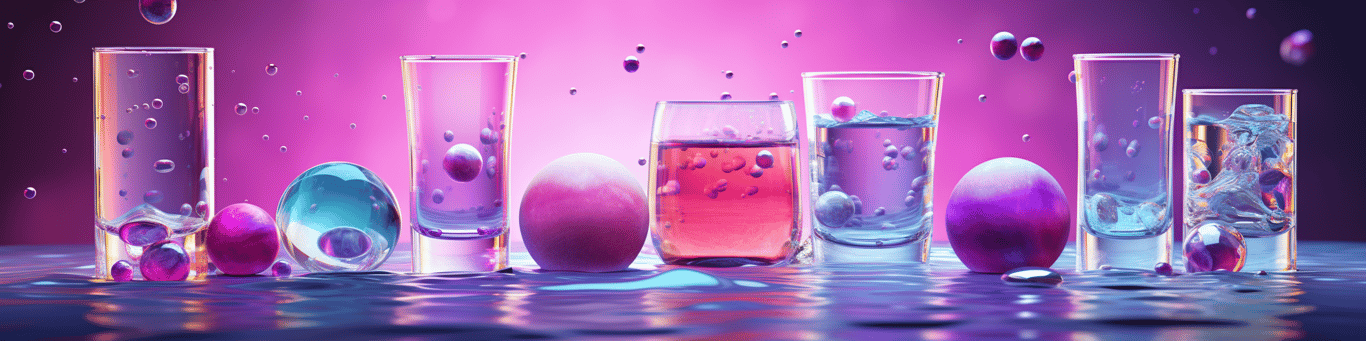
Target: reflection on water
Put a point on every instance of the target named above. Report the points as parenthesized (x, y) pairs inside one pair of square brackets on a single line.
[(47, 291)]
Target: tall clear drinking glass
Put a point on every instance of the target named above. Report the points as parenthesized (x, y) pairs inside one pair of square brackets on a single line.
[(724, 185), (459, 111), (1240, 169), (1125, 103), (871, 137), (153, 160)]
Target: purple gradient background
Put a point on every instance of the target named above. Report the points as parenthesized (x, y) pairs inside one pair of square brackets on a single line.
[(573, 44)]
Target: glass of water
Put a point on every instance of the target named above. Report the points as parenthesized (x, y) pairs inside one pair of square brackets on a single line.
[(1240, 169), (871, 137), (153, 161), (1125, 103), (459, 111)]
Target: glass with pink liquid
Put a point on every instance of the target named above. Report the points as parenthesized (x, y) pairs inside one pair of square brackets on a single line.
[(724, 185)]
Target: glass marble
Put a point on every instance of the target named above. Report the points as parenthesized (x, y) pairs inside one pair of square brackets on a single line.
[(164, 261), (338, 216), (157, 12), (1215, 246), (121, 271), (281, 269)]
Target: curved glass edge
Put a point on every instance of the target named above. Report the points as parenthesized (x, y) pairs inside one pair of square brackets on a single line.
[(873, 75), (1240, 92), (1125, 56), (457, 58), (152, 49)]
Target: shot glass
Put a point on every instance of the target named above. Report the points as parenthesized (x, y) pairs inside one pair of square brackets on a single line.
[(153, 161), (459, 111), (871, 137), (724, 185), (1240, 169), (1125, 103)]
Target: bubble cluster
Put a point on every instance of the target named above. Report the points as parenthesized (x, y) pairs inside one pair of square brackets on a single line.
[(463, 162), (1003, 45), (631, 64), (670, 188), (1033, 277), (714, 189), (157, 12), (1214, 246), (1031, 49)]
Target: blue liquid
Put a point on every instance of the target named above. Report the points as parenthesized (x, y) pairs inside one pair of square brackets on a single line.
[(338, 196)]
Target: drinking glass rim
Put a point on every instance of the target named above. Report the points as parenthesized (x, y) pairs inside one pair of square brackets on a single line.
[(1126, 56), (874, 75), (151, 49), (456, 58), (722, 102), (1239, 92)]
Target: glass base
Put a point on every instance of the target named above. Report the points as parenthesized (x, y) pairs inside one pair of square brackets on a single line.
[(462, 255), (1139, 253), (1276, 253), (827, 251)]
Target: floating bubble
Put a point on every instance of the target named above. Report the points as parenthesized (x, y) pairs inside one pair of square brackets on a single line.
[(641, 161), (182, 79), (383, 97), (10, 25), (63, 150), (344, 242), (1024, 138), (1213, 50), (907, 153), (889, 163), (1100, 141), (573, 91), (1031, 49), (698, 162), (1130, 176), (725, 96), (28, 75), (132, 73), (1201, 176), (784, 44), (487, 136), (241, 108), (1214, 246), (1072, 76), (734, 164), (752, 190), (1251, 13), (843, 109), (157, 12), (281, 269), (858, 204), (463, 162), (163, 166), (29, 193), (1033, 277), (491, 166), (183, 88), (729, 74), (772, 96), (1132, 150), (271, 69), (335, 75), (1297, 47), (1196, 10), (265, 137), (834, 209), (256, 110), (1155, 122), (299, 93), (121, 271), (284, 149), (151, 123), (640, 48), (798, 33), (305, 117), (353, 126), (730, 132), (55, 26), (764, 159), (880, 211), (982, 98), (128, 152), (1003, 45), (670, 188), (123, 192), (631, 64), (522, 55), (1102, 209), (1163, 268), (143, 233), (157, 103), (756, 171), (448, 135)]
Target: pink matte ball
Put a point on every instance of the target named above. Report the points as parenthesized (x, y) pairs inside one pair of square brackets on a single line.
[(584, 212), (1007, 213), (242, 240)]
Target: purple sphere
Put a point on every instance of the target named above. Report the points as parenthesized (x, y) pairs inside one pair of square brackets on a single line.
[(1215, 246), (1163, 268), (1031, 49), (1297, 47), (631, 64), (242, 240), (143, 233), (463, 162), (121, 271), (1007, 213), (1003, 45), (843, 109), (560, 234), (164, 261), (344, 242), (281, 269)]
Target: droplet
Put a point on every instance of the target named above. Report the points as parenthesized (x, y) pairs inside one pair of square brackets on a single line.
[(1031, 49), (281, 269), (157, 12), (128, 152), (183, 88), (284, 149), (29, 193), (1214, 246), (1072, 76), (163, 166), (28, 75), (271, 69), (74, 79), (784, 44), (449, 136), (573, 91), (123, 193), (55, 26), (132, 73), (798, 33), (1132, 150), (522, 55), (121, 271), (344, 242), (299, 93), (772, 96), (756, 171), (640, 48), (730, 74), (63, 150), (641, 161), (1003, 45), (834, 208), (1251, 13), (305, 117), (157, 103), (1024, 138), (1163, 268), (1196, 10), (1213, 50), (152, 196), (265, 137), (1155, 122), (182, 79), (982, 98), (143, 233), (960, 41), (462, 162), (1034, 277), (353, 126), (631, 64), (256, 110), (1297, 47), (241, 108)]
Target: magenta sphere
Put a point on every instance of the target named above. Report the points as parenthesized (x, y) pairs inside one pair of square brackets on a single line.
[(242, 240), (121, 271), (1031, 49), (1214, 246), (1007, 213), (560, 230), (463, 162), (1003, 45), (843, 109), (164, 261)]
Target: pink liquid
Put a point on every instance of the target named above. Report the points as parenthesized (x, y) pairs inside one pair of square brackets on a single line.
[(720, 213)]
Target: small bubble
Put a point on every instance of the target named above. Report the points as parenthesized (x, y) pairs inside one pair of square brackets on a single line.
[(132, 73), (1297, 47), (631, 64), (784, 44), (888, 163), (281, 269), (335, 75), (265, 137), (1072, 76), (756, 171), (157, 12), (353, 126), (725, 96), (128, 152), (1251, 13), (157, 103), (124, 137), (1024, 138), (182, 79), (1130, 176), (1031, 49), (271, 69), (10, 25), (573, 91), (383, 97), (63, 150), (163, 166), (1003, 45), (960, 41), (74, 79), (772, 96), (284, 149), (449, 136), (256, 110), (1155, 122), (55, 26), (145, 106), (640, 48), (152, 196), (121, 271), (123, 193), (299, 93), (1213, 50), (982, 98), (305, 117), (183, 88), (29, 193), (28, 75), (641, 161), (522, 55), (241, 108), (438, 196), (730, 74), (1195, 10), (129, 110), (798, 33), (1133, 149), (150, 123)]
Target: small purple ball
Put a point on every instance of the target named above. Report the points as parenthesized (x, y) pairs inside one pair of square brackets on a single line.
[(281, 269), (631, 64), (1003, 45), (843, 109), (121, 271), (143, 233), (1163, 268), (1007, 213), (1297, 47), (463, 162), (242, 240), (1214, 246), (164, 261), (1031, 49)]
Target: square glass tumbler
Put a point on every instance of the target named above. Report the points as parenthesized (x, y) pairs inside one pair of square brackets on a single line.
[(1240, 169), (459, 111), (724, 186), (1125, 103), (153, 161), (871, 137)]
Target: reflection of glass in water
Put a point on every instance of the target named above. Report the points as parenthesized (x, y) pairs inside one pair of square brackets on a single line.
[(1247, 156)]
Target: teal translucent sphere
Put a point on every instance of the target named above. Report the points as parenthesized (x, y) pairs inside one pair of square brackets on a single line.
[(338, 216)]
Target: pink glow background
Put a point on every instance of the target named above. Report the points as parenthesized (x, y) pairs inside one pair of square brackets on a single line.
[(581, 45)]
